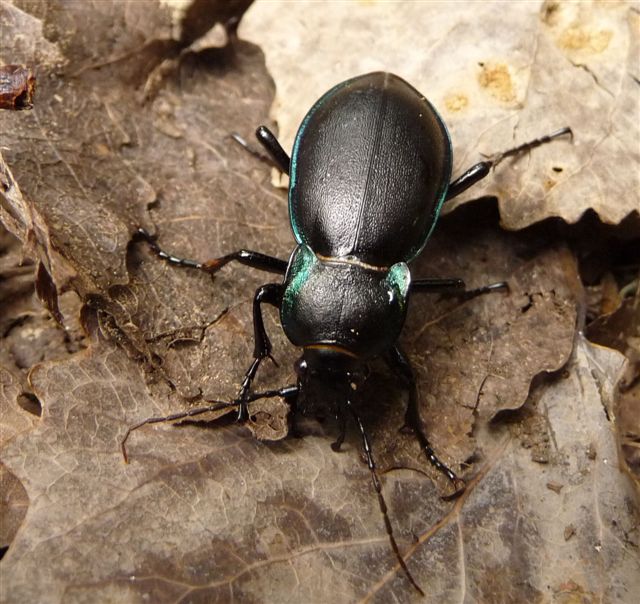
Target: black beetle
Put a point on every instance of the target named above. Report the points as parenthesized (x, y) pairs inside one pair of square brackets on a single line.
[(369, 173)]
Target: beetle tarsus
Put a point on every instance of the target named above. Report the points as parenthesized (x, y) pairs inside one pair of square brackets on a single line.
[(142, 233), (273, 360), (459, 487), (289, 393), (496, 159), (501, 286), (247, 147)]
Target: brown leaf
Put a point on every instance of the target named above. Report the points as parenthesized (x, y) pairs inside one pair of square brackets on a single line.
[(13, 419), (13, 507), (208, 513), (13, 422), (214, 514)]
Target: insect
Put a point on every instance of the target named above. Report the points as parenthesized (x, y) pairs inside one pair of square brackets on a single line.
[(369, 172)]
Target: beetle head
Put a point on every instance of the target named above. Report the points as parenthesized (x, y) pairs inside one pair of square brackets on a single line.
[(327, 376)]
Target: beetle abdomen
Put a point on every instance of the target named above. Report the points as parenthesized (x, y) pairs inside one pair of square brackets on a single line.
[(369, 171)]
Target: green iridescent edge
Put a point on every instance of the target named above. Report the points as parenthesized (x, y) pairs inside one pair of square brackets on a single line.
[(399, 280), (301, 266)]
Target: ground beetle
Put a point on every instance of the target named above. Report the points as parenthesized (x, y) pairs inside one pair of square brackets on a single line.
[(370, 170)]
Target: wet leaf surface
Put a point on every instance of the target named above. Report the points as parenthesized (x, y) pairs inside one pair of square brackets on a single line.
[(131, 128)]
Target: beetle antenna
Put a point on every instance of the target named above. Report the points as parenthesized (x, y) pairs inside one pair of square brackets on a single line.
[(381, 502), (496, 159), (216, 406)]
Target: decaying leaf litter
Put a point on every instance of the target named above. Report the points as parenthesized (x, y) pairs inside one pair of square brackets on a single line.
[(206, 513)]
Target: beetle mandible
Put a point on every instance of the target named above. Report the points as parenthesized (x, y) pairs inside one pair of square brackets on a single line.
[(369, 172)]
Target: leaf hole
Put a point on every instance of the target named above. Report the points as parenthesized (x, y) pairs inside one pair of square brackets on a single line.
[(30, 403), (527, 306), (557, 169)]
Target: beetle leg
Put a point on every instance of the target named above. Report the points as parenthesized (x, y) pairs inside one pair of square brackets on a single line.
[(481, 169), (342, 426), (286, 392), (249, 258), (269, 141), (500, 286), (436, 286), (398, 362), (270, 294), (455, 287), (496, 159), (366, 445), (215, 406), (473, 175), (267, 159)]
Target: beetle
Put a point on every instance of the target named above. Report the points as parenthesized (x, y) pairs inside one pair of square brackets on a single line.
[(369, 173)]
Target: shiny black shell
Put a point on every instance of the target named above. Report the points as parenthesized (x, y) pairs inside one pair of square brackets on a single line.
[(370, 168), (343, 304)]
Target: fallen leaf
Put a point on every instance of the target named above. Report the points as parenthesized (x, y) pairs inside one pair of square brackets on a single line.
[(214, 514), (132, 129), (499, 73), (13, 422)]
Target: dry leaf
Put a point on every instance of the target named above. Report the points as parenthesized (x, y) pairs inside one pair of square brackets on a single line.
[(500, 73), (208, 513)]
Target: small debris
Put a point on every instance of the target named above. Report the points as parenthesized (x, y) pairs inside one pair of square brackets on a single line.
[(17, 87), (569, 531), (556, 487)]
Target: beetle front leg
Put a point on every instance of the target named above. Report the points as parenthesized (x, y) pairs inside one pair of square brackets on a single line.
[(270, 294), (399, 363)]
